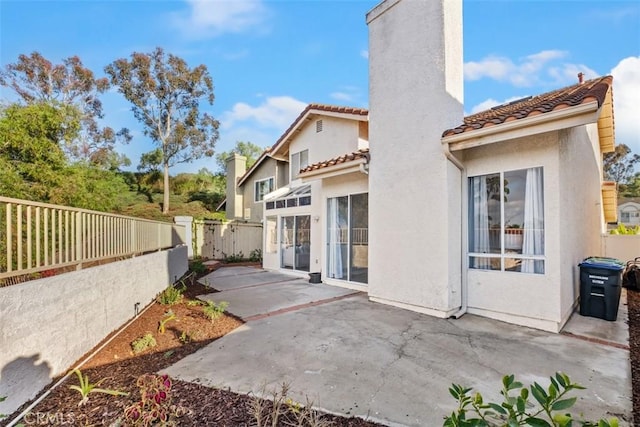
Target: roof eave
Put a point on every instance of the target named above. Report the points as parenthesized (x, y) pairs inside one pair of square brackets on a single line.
[(546, 122), (331, 171)]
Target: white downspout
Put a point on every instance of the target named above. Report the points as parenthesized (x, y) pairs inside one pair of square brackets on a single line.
[(463, 258)]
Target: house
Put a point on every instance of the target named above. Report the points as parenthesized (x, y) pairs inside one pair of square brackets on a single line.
[(431, 211), (629, 211), (487, 214), (325, 204), (246, 188)]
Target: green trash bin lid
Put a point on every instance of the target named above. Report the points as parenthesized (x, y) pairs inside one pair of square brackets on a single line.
[(602, 262)]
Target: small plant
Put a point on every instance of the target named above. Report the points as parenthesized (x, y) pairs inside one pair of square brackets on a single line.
[(85, 388), (172, 295), (155, 403), (168, 316), (518, 410), (187, 336), (194, 303), (233, 258), (213, 310), (255, 255), (280, 409), (143, 343), (198, 267)]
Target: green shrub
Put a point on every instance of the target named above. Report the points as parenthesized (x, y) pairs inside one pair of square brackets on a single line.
[(233, 258), (549, 409), (172, 295), (143, 343), (255, 255), (213, 310), (198, 267)]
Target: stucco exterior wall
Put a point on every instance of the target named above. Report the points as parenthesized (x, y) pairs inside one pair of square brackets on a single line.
[(268, 168), (48, 324), (338, 136), (581, 218), (574, 220), (525, 299), (343, 185), (415, 67)]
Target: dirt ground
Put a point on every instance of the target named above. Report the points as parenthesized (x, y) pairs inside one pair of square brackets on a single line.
[(116, 367)]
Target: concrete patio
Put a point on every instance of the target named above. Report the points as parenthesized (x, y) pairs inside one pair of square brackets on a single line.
[(355, 357)]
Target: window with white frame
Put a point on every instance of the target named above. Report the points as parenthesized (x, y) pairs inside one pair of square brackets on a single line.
[(506, 221), (299, 160), (262, 187)]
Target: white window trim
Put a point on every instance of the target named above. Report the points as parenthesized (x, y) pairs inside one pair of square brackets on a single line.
[(294, 172), (255, 188), (502, 255)]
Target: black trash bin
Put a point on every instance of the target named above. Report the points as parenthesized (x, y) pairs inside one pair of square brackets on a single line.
[(315, 278), (600, 287)]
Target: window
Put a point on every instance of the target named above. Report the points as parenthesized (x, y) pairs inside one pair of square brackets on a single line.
[(262, 187), (299, 161), (506, 221), (272, 235)]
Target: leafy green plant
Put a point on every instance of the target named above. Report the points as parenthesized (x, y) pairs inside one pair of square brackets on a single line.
[(213, 310), (2, 399), (86, 388), (141, 344), (155, 403), (622, 229), (516, 409), (168, 316), (198, 267), (188, 336), (194, 303), (172, 295), (233, 258), (255, 255)]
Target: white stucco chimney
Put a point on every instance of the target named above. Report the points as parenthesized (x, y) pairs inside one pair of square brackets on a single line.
[(236, 167), (415, 93)]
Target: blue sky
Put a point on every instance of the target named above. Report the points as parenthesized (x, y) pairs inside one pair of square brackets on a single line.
[(268, 59)]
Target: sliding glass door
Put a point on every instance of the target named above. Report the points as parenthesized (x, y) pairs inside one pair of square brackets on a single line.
[(348, 238)]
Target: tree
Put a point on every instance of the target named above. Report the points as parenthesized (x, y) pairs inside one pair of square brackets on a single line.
[(619, 166), (31, 158), (247, 149), (36, 80), (165, 95)]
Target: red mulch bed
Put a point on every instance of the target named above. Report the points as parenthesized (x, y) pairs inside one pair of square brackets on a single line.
[(633, 301), (119, 368)]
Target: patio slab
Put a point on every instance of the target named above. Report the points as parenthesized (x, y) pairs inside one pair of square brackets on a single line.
[(355, 357), (258, 300), (259, 277), (599, 330)]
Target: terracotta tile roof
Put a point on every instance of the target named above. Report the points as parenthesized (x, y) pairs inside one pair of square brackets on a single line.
[(320, 107), (360, 154), (571, 96)]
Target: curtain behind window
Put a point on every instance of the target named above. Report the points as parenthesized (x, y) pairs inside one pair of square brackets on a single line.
[(533, 242)]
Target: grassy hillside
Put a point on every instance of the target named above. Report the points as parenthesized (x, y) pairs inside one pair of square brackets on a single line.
[(138, 205)]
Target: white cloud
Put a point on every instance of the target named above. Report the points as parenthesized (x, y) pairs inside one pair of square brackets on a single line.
[(364, 53), (276, 112), (210, 18), (489, 103), (544, 67), (341, 96), (626, 104)]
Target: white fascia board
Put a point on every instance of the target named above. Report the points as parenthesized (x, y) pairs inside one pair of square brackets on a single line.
[(330, 171), (546, 122)]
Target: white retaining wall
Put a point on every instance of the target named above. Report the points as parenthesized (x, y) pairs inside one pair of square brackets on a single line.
[(48, 324)]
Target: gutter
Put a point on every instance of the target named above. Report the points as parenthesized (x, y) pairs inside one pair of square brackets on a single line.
[(463, 276)]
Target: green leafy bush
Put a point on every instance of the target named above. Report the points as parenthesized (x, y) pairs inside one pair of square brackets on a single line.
[(213, 310), (233, 258), (549, 409), (172, 295), (255, 255), (141, 344), (198, 267)]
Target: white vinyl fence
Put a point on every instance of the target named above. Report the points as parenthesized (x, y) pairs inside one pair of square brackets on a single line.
[(37, 237), (220, 239), (623, 247)]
